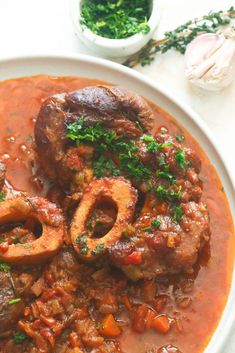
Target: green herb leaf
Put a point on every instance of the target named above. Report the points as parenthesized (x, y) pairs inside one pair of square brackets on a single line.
[(98, 249), (153, 145), (166, 175), (180, 158), (2, 196), (156, 224), (25, 245), (102, 166), (177, 213), (4, 267), (180, 138), (167, 194), (82, 243), (134, 168), (179, 38), (95, 134), (14, 301), (100, 325), (147, 230), (19, 337)]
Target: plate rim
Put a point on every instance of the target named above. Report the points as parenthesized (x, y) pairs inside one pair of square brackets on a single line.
[(221, 333)]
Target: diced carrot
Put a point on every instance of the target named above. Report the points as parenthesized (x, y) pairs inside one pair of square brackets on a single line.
[(149, 318), (49, 321), (161, 323), (109, 327), (126, 302), (74, 340)]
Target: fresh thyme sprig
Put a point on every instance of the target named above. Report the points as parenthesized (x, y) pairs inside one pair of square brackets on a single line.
[(179, 38)]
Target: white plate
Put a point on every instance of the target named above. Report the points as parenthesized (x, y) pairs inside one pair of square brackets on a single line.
[(85, 66)]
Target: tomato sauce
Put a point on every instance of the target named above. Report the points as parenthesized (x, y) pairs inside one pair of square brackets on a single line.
[(19, 105)]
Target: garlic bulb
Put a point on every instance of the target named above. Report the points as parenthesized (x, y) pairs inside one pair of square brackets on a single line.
[(210, 60)]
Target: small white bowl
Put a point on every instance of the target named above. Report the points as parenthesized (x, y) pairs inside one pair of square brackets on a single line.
[(113, 47)]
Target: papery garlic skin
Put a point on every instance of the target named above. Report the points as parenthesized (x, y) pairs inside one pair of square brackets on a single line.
[(210, 60)]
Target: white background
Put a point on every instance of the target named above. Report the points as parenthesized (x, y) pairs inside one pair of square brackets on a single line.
[(45, 26)]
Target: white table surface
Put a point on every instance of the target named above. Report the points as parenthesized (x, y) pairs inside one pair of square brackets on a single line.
[(45, 26)]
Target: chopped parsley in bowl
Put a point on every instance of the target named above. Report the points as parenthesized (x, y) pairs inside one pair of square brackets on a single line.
[(115, 28), (116, 19)]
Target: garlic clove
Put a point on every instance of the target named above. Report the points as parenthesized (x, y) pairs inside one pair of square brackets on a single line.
[(210, 60)]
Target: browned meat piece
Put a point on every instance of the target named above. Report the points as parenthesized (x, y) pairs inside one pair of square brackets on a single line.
[(2, 174), (64, 265), (12, 287), (116, 108), (170, 248)]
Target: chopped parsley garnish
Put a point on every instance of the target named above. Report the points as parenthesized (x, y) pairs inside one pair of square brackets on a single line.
[(180, 138), (98, 249), (19, 337), (156, 224), (2, 196), (25, 245), (130, 165), (116, 19), (123, 146), (153, 145), (102, 166), (4, 267), (147, 229), (14, 301), (100, 325), (82, 243), (96, 134), (166, 175), (167, 194), (181, 160), (133, 167), (177, 213)]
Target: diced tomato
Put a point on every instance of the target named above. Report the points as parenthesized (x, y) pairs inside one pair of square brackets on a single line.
[(161, 323), (48, 335), (36, 324), (4, 246), (109, 327), (57, 328), (48, 294), (48, 277), (49, 321), (135, 258)]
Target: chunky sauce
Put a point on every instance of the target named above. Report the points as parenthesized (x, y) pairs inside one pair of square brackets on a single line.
[(19, 106)]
